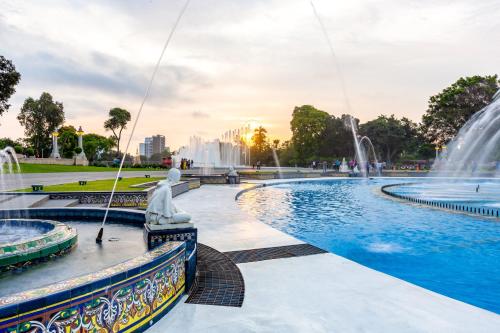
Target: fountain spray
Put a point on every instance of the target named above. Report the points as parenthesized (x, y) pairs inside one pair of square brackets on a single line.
[(146, 95), (360, 154)]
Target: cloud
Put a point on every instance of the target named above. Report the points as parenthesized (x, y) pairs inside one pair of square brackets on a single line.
[(200, 114), (241, 59)]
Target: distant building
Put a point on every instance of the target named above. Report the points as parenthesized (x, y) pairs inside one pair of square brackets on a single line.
[(152, 145), (142, 149), (158, 144)]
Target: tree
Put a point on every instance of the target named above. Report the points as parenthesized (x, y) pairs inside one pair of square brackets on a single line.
[(95, 145), (393, 137), (307, 125), (7, 142), (449, 110), (40, 117), (336, 141), (260, 150), (9, 78), (157, 158), (117, 122), (68, 141)]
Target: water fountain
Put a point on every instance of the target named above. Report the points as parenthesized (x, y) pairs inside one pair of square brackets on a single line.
[(344, 168), (475, 151), (210, 154), (466, 171), (277, 163), (362, 152)]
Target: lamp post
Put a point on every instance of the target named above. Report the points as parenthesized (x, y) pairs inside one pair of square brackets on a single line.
[(55, 148), (80, 143), (443, 151)]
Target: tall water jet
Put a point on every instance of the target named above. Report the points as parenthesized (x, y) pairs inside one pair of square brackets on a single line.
[(476, 147), (371, 148), (223, 152), (277, 163), (146, 95)]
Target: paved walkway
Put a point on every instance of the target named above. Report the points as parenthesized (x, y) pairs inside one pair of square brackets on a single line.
[(318, 293)]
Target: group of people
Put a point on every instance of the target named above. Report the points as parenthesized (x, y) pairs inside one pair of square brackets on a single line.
[(352, 164), (256, 165), (334, 166), (186, 164)]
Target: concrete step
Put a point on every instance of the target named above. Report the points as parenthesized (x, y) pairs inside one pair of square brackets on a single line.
[(59, 203), (24, 201)]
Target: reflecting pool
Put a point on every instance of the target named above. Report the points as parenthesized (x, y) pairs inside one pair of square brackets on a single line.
[(453, 254)]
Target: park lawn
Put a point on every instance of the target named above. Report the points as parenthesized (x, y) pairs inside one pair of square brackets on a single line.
[(51, 168), (98, 185)]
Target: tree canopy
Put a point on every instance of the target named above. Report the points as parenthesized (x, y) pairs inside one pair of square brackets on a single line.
[(261, 149), (391, 136), (9, 78), (95, 145), (307, 125), (40, 117), (116, 123), (449, 110), (68, 141)]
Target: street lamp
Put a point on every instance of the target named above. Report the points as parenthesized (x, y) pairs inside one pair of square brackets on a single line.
[(80, 143), (55, 148)]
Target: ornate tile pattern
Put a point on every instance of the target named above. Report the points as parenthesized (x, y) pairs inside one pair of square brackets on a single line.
[(126, 297), (57, 238)]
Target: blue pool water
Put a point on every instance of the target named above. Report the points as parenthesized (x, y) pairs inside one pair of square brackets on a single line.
[(453, 254)]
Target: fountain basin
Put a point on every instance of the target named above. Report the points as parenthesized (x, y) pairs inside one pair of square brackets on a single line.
[(28, 240), (469, 196), (80, 293)]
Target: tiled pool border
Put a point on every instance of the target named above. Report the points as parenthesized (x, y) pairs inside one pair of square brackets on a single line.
[(457, 207), (59, 239), (141, 290)]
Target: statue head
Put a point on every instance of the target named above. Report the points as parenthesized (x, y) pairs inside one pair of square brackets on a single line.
[(173, 175)]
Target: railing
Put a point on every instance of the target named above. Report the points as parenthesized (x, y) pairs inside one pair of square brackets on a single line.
[(460, 207)]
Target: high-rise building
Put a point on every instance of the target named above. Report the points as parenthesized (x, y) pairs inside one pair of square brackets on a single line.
[(152, 145), (158, 143), (142, 149)]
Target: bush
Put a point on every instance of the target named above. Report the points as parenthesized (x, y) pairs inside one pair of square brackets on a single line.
[(78, 150), (18, 149), (29, 151)]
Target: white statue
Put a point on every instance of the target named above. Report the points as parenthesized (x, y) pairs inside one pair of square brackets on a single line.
[(232, 172), (161, 212)]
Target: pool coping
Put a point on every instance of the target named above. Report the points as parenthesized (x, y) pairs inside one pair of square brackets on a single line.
[(57, 240)]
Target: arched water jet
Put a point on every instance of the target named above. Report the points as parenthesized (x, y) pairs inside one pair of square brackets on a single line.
[(476, 146)]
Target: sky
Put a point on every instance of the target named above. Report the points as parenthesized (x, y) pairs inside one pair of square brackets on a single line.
[(231, 62)]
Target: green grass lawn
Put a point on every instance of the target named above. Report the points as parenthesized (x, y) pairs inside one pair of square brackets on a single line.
[(98, 185), (50, 168)]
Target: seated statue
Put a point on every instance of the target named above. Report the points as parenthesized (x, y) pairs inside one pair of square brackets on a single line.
[(161, 210), (232, 172)]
